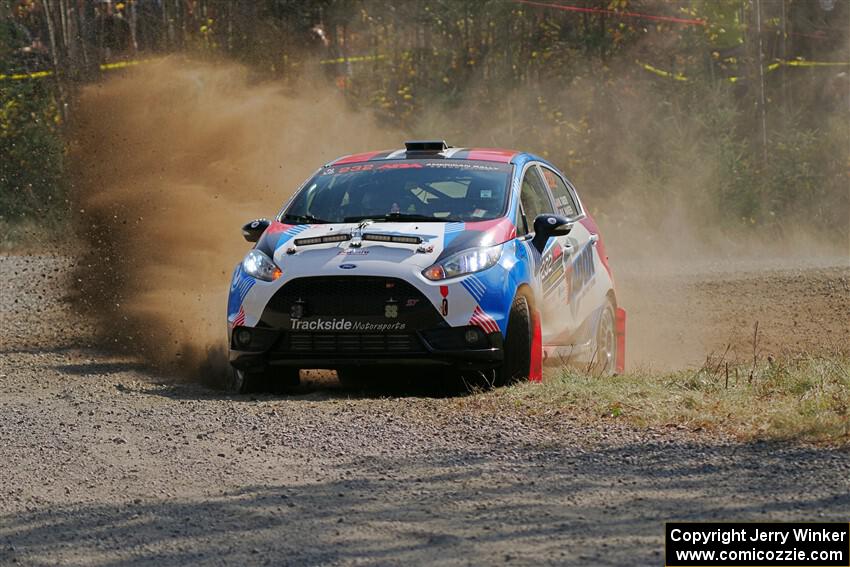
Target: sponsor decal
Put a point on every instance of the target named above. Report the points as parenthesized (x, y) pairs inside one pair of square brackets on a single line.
[(583, 270), (365, 326), (354, 168), (401, 166), (347, 266), (352, 252), (341, 324), (462, 165), (391, 310), (322, 325), (411, 302), (552, 270)]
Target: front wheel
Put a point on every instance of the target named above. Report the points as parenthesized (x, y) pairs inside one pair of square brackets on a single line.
[(270, 380), (517, 361)]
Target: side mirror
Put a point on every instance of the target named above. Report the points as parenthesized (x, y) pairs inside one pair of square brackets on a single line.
[(548, 225), (253, 230)]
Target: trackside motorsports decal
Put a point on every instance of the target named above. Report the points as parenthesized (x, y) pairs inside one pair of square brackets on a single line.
[(581, 273), (756, 544), (335, 324)]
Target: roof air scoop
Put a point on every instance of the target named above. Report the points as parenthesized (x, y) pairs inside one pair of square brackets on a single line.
[(426, 146)]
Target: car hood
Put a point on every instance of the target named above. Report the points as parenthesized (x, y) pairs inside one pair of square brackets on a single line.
[(297, 249)]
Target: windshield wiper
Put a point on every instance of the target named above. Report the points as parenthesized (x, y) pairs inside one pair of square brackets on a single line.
[(304, 219), (390, 217)]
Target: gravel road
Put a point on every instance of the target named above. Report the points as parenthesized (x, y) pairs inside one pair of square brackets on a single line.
[(107, 462)]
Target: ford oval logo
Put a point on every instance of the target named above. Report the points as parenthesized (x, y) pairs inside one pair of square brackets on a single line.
[(347, 266)]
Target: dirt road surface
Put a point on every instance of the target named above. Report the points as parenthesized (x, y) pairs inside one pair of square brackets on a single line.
[(107, 462)]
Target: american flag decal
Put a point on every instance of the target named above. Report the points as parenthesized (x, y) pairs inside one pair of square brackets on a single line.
[(484, 321)]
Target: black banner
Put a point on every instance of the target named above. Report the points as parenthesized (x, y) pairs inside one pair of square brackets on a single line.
[(760, 544)]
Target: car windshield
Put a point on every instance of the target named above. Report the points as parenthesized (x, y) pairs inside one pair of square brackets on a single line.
[(403, 190)]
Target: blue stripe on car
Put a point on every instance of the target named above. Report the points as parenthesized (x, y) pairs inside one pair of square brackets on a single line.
[(286, 235), (239, 288), (474, 286), (453, 230)]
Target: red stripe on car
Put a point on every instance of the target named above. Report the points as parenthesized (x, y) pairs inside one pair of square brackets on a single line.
[(490, 154), (591, 227), (502, 229), (278, 226), (355, 158)]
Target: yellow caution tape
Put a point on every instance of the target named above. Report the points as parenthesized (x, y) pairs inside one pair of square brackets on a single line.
[(122, 64), (771, 67), (43, 74), (662, 73), (803, 63), (20, 76), (360, 58), (356, 59)]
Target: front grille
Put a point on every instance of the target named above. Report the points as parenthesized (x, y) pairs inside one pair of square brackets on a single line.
[(353, 296), (350, 343)]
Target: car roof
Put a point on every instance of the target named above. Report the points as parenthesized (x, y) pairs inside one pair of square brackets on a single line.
[(500, 155)]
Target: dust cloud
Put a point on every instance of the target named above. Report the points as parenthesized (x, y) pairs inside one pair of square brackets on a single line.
[(656, 175), (171, 158), (169, 161)]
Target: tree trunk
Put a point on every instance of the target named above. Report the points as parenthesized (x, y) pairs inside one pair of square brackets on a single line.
[(58, 72)]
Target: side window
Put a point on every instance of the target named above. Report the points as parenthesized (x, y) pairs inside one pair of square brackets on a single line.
[(563, 201), (533, 197)]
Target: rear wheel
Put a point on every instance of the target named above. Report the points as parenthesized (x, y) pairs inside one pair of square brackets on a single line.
[(604, 352), (517, 347), (270, 380)]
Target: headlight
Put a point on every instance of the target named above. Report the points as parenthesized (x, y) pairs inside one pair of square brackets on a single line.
[(260, 266), (465, 262)]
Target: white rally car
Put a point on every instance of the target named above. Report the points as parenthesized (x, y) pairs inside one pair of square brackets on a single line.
[(477, 260)]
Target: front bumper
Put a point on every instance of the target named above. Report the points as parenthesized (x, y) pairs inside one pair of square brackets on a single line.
[(441, 346)]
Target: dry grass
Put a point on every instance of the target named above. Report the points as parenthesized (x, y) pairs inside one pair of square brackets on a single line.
[(804, 399)]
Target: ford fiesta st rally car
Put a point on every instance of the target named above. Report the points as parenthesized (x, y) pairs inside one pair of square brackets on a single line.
[(478, 260)]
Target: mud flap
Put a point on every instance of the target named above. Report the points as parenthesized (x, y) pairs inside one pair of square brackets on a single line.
[(535, 370), (621, 340)]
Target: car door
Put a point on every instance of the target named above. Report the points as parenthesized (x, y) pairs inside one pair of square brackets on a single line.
[(577, 255), (536, 199)]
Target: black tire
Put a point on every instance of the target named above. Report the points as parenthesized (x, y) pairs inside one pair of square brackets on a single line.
[(517, 347), (271, 380), (604, 351)]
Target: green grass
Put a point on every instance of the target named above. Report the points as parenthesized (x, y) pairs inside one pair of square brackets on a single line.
[(805, 399)]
